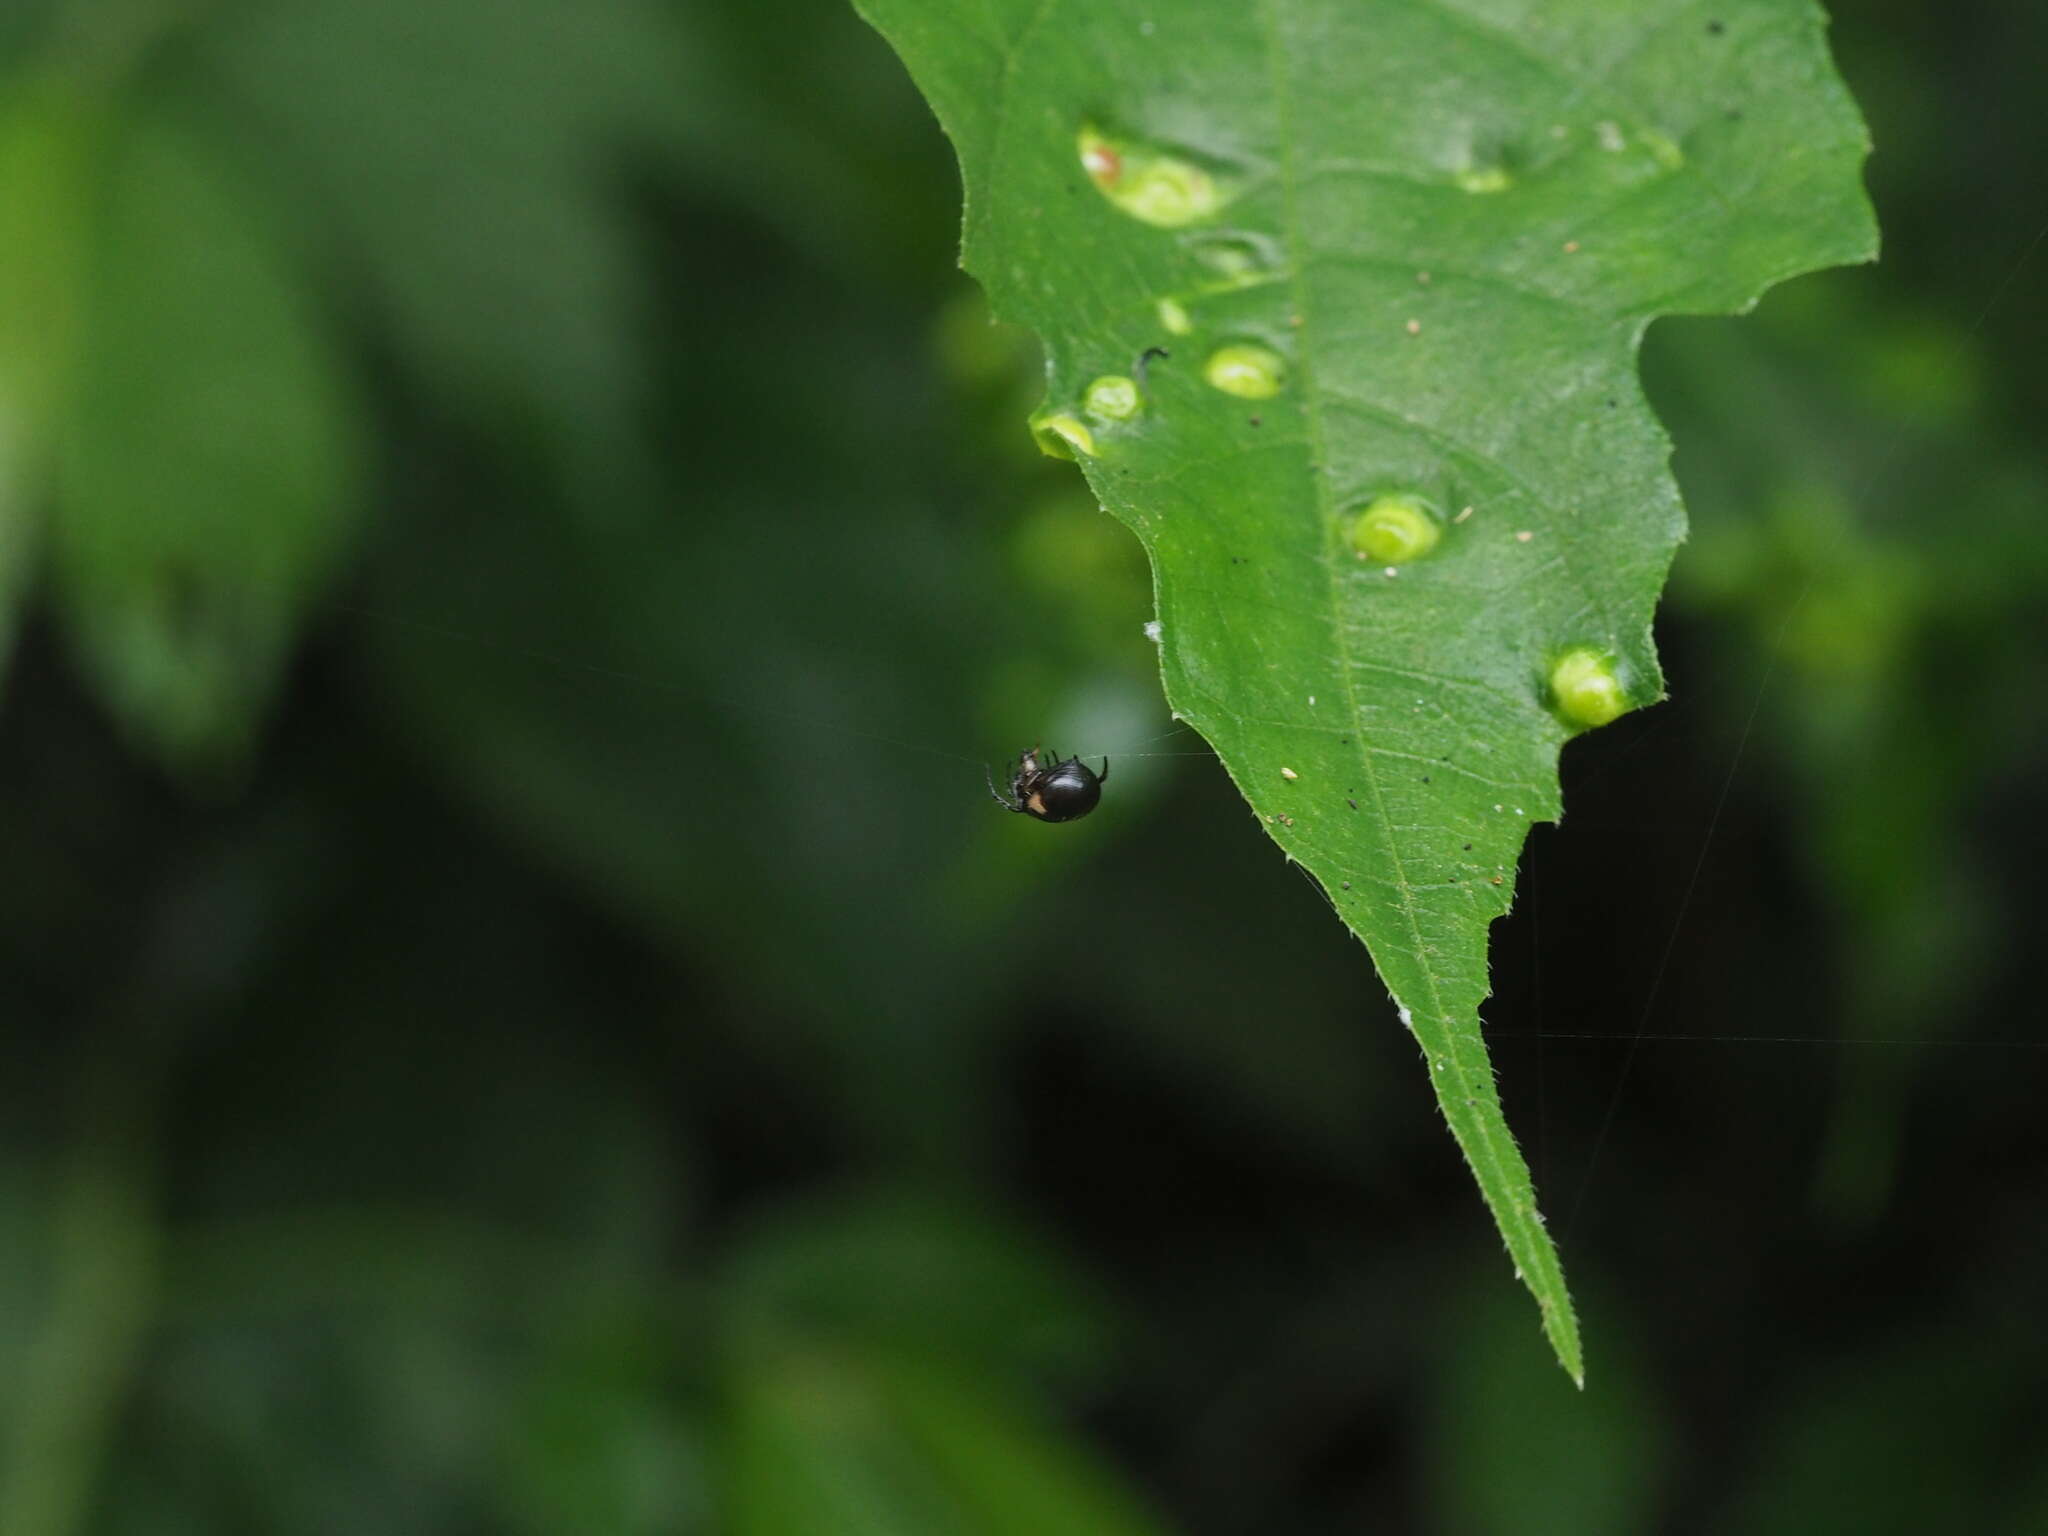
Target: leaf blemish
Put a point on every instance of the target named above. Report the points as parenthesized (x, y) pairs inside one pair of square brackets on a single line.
[(1246, 370), (1395, 529), (1586, 688), (1111, 398), (1243, 258), (1149, 184), (1061, 436)]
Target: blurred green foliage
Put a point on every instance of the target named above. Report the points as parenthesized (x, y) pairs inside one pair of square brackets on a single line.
[(520, 1017)]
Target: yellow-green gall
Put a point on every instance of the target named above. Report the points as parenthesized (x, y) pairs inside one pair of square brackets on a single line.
[(1249, 372), (1481, 179), (1062, 436), (1585, 689), (1112, 398), (1392, 530), (1174, 316), (1158, 188), (1665, 151)]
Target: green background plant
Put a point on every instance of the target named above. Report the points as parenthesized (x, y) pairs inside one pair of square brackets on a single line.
[(542, 1068)]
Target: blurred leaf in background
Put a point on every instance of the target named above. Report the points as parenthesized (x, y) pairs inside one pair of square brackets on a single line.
[(49, 136), (466, 170), (209, 463)]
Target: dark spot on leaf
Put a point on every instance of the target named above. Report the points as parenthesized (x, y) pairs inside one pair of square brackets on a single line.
[(1468, 847), (1717, 27), (1352, 803), (1347, 885), (1425, 778), (1255, 421)]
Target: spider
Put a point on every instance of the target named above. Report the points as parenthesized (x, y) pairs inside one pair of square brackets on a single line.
[(1065, 791)]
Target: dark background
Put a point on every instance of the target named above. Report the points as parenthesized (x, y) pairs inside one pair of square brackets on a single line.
[(572, 1048)]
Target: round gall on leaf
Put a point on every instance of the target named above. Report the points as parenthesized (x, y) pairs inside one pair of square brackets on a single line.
[(1392, 530), (1151, 185), (1062, 436), (1249, 372), (1585, 690), (1112, 398)]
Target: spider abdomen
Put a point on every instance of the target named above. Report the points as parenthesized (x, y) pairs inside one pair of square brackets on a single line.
[(1064, 792)]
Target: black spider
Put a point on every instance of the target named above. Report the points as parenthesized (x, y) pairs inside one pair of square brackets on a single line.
[(1065, 791)]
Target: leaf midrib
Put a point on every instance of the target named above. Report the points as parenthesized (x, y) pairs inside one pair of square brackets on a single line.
[(1536, 1251)]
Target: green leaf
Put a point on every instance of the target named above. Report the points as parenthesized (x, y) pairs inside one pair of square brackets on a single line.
[(822, 1438), (917, 1276), (1402, 254), (881, 1352), (49, 138), (207, 464)]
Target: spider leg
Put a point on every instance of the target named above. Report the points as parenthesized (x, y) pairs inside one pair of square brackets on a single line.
[(1006, 804), (1103, 777)]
